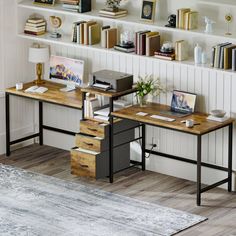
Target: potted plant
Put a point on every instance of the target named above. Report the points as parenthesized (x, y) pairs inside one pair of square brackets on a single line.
[(113, 5), (148, 85)]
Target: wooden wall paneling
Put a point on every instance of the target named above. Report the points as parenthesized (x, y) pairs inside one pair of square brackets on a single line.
[(212, 105), (220, 105)]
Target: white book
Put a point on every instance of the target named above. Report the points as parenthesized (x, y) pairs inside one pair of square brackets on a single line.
[(104, 118), (104, 38), (122, 103), (106, 111)]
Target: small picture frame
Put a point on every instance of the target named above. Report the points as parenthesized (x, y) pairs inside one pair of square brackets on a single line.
[(45, 2), (148, 10)]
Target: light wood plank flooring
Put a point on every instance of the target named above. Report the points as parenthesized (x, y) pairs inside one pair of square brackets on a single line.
[(218, 205)]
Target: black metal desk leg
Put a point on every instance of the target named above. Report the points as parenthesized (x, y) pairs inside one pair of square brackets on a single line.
[(111, 168), (143, 146), (199, 160), (7, 110), (41, 123), (83, 107), (230, 151)]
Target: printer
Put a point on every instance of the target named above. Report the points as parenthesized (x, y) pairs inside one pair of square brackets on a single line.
[(111, 80)]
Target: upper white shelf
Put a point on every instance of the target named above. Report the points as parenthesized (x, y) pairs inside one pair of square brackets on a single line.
[(225, 3), (131, 20)]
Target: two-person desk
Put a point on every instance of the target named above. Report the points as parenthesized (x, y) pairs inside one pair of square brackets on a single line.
[(72, 99), (205, 126)]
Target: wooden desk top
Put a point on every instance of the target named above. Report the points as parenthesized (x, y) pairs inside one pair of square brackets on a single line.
[(204, 127), (53, 95), (107, 93)]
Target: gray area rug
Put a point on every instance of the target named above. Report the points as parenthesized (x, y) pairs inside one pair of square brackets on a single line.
[(34, 204)]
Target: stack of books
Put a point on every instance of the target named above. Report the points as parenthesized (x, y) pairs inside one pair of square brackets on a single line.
[(113, 14), (87, 33), (181, 50), (147, 42), (170, 56), (35, 26), (71, 5), (224, 56), (187, 19), (129, 47)]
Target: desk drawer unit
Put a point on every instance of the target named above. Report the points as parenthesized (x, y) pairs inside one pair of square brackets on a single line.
[(98, 144), (86, 163)]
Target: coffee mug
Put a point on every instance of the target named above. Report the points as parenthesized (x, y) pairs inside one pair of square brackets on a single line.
[(189, 123), (19, 86)]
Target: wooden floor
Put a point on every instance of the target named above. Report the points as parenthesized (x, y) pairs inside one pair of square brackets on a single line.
[(218, 205)]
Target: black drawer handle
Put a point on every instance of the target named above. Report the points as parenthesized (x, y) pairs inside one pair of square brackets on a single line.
[(84, 166), (92, 129), (89, 144)]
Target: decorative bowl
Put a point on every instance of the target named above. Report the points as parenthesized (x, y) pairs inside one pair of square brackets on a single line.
[(218, 113)]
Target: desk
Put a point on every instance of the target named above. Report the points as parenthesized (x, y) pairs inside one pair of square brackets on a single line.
[(205, 127), (71, 99)]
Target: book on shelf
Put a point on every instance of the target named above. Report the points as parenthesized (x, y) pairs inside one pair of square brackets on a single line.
[(152, 43), (180, 21), (109, 37), (35, 26), (113, 14), (191, 20), (140, 42), (123, 48), (86, 31), (77, 5), (165, 55), (94, 34), (218, 55), (181, 50), (234, 59)]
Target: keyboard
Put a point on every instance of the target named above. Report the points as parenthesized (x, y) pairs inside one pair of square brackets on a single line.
[(162, 118)]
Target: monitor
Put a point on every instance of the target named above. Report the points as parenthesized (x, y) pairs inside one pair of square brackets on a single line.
[(183, 102), (67, 71)]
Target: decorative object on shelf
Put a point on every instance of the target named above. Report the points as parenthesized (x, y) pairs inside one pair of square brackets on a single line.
[(39, 55), (45, 2), (148, 10), (56, 23), (181, 50), (197, 54), (228, 19), (204, 57), (166, 52), (148, 85), (35, 26), (113, 5), (209, 25), (77, 5), (126, 42), (167, 47), (171, 21)]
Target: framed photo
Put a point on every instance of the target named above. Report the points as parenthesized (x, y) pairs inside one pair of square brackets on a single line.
[(45, 2), (148, 10)]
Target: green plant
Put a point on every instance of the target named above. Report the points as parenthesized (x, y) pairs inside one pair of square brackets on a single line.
[(148, 85)]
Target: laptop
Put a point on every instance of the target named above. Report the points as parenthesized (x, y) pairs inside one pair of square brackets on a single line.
[(182, 104)]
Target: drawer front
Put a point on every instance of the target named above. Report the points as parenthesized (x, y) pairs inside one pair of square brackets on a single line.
[(94, 128), (89, 142), (83, 164)]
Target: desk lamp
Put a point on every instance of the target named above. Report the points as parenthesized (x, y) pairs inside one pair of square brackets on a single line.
[(39, 55)]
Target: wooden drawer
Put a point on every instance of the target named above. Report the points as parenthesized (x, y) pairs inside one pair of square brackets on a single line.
[(101, 130), (97, 144), (94, 128), (86, 163)]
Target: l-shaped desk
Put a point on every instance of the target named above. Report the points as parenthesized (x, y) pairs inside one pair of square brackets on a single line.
[(205, 127)]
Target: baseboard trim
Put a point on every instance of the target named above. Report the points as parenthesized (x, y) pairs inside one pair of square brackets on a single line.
[(16, 133)]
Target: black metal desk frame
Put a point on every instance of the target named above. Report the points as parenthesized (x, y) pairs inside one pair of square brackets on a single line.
[(39, 134), (199, 162)]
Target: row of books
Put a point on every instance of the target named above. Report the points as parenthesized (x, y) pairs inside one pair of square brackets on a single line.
[(110, 13), (186, 19), (224, 56), (87, 33), (35, 26), (147, 42)]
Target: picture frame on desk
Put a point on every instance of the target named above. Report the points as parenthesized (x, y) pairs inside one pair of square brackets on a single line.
[(44, 2), (148, 10)]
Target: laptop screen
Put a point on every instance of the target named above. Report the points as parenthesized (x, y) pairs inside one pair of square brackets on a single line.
[(183, 102)]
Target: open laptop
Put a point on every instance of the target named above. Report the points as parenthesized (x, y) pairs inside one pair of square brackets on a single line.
[(182, 104)]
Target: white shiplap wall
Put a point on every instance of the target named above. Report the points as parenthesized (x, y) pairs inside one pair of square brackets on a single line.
[(13, 68), (214, 87)]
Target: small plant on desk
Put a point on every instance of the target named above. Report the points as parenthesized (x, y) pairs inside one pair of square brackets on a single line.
[(148, 85)]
